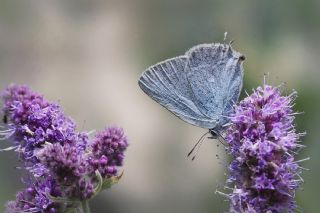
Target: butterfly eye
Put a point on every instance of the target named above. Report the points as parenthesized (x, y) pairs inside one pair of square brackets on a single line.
[(242, 58)]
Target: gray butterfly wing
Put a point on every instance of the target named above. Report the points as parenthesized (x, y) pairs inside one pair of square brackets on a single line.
[(215, 74), (166, 83)]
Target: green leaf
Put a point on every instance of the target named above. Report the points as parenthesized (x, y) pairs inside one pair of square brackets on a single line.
[(107, 183)]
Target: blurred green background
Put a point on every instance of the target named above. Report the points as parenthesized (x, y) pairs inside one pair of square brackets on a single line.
[(88, 55)]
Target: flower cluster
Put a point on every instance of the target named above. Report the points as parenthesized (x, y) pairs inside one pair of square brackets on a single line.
[(66, 167), (107, 151), (262, 140)]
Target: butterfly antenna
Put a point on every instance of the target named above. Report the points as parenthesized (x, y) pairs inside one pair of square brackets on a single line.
[(196, 151), (197, 146)]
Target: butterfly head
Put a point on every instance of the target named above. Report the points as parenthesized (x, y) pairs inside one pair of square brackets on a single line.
[(242, 58), (214, 133)]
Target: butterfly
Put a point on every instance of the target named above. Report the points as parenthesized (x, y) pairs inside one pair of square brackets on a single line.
[(200, 87)]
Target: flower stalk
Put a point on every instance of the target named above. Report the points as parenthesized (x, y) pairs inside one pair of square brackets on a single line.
[(85, 206)]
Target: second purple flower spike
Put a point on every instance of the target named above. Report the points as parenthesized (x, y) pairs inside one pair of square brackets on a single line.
[(263, 141)]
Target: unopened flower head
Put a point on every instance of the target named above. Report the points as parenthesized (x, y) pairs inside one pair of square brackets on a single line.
[(108, 149), (262, 140)]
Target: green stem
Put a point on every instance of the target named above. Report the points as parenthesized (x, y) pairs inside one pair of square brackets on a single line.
[(85, 206)]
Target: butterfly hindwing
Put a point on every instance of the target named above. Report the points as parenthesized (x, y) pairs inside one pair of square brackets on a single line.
[(215, 74)]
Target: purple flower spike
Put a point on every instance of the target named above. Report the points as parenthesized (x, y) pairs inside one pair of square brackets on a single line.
[(108, 149), (262, 140), (65, 167)]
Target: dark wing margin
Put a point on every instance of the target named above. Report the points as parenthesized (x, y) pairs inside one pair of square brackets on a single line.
[(167, 84)]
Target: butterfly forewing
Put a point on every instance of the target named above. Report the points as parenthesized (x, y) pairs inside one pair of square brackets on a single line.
[(167, 83)]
